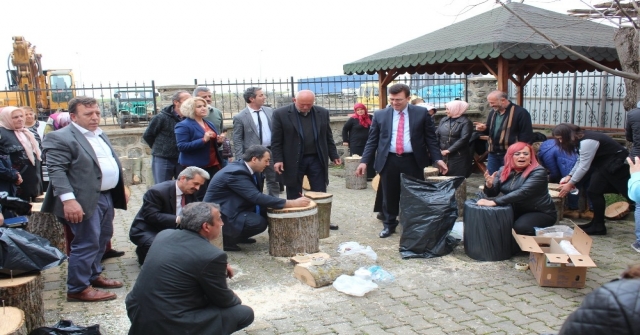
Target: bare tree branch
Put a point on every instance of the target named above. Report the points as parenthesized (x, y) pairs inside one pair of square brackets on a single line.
[(601, 14), (632, 76), (626, 14)]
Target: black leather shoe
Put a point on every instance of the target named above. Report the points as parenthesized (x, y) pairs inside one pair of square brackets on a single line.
[(386, 232), (596, 230), (112, 254), (333, 227), (231, 247), (247, 241), (380, 216)]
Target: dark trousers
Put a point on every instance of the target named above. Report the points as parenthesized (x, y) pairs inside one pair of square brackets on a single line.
[(525, 223), (605, 182), (359, 150), (89, 244), (311, 166), (494, 162), (165, 169), (245, 225), (390, 182), (236, 318)]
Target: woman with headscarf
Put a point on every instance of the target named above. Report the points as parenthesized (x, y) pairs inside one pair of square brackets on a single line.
[(521, 183), (355, 133), (454, 133), (23, 149)]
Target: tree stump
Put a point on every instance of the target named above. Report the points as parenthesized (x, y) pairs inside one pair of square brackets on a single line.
[(354, 182), (323, 200), (558, 201), (305, 184), (375, 183), (12, 321), (47, 226), (325, 274), (461, 192), (293, 230), (430, 172), (131, 170), (25, 293), (617, 210)]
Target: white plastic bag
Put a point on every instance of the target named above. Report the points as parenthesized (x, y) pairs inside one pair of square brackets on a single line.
[(350, 248), (354, 286), (381, 276), (568, 248)]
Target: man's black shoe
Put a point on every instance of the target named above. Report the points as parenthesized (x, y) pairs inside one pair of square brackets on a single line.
[(231, 247), (596, 230), (112, 254), (380, 216), (386, 232), (247, 241), (333, 226)]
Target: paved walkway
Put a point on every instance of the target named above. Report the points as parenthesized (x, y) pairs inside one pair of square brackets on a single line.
[(448, 295)]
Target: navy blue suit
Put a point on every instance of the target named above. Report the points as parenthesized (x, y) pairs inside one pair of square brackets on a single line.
[(235, 190), (425, 151)]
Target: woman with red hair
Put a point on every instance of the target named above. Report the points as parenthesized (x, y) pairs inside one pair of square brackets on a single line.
[(355, 133), (522, 183)]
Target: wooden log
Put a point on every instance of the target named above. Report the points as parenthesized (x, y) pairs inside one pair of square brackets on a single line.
[(305, 184), (461, 192), (352, 181), (39, 198), (12, 321), (47, 226), (558, 202), (430, 172), (375, 182), (325, 274), (25, 293), (323, 200), (617, 210), (293, 230)]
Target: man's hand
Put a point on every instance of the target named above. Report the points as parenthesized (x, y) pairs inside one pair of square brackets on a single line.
[(444, 152), (361, 169), (490, 179), (480, 126), (566, 188), (19, 181), (1, 219), (442, 166), (337, 161), (486, 202), (300, 202), (229, 271), (72, 211), (278, 167), (634, 166)]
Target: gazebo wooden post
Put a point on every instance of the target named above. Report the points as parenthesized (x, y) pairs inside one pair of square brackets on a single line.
[(382, 90), (503, 74)]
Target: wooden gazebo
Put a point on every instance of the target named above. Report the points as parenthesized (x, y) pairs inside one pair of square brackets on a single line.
[(497, 43)]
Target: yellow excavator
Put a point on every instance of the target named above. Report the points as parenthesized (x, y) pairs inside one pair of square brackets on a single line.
[(29, 85)]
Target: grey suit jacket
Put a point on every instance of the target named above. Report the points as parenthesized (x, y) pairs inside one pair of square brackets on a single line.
[(73, 167), (245, 132)]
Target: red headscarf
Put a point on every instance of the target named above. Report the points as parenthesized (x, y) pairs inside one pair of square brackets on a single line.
[(508, 160), (364, 119)]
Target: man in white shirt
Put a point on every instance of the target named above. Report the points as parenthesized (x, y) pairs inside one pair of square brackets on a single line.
[(86, 185)]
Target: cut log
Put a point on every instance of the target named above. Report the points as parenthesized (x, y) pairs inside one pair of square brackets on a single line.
[(558, 202), (305, 184), (323, 200), (293, 230), (25, 293), (352, 181), (430, 172), (39, 198), (617, 210), (461, 192), (47, 226), (12, 321), (325, 274), (375, 182)]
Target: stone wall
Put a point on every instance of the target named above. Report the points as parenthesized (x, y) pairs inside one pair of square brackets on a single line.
[(167, 91), (477, 91), (134, 154)]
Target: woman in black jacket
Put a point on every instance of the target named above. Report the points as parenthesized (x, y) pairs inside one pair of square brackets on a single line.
[(603, 156), (453, 134), (523, 184), (355, 133)]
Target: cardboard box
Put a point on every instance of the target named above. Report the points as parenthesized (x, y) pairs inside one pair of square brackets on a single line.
[(551, 266)]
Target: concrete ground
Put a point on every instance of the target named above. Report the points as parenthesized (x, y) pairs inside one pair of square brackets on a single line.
[(449, 295)]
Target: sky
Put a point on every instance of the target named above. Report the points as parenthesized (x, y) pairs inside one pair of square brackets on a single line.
[(120, 41)]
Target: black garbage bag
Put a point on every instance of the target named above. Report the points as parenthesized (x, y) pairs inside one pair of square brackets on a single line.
[(429, 211), (487, 231), (22, 252), (15, 204), (66, 327)]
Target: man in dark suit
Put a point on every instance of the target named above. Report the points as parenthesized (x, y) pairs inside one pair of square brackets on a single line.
[(85, 185), (402, 136), (161, 207), (182, 287), (238, 190), (301, 142), (252, 126)]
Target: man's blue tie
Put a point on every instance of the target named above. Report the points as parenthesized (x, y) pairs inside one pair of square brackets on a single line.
[(255, 180)]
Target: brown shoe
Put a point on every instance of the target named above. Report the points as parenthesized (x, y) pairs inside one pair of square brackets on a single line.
[(90, 294), (571, 214), (587, 215), (106, 283)]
